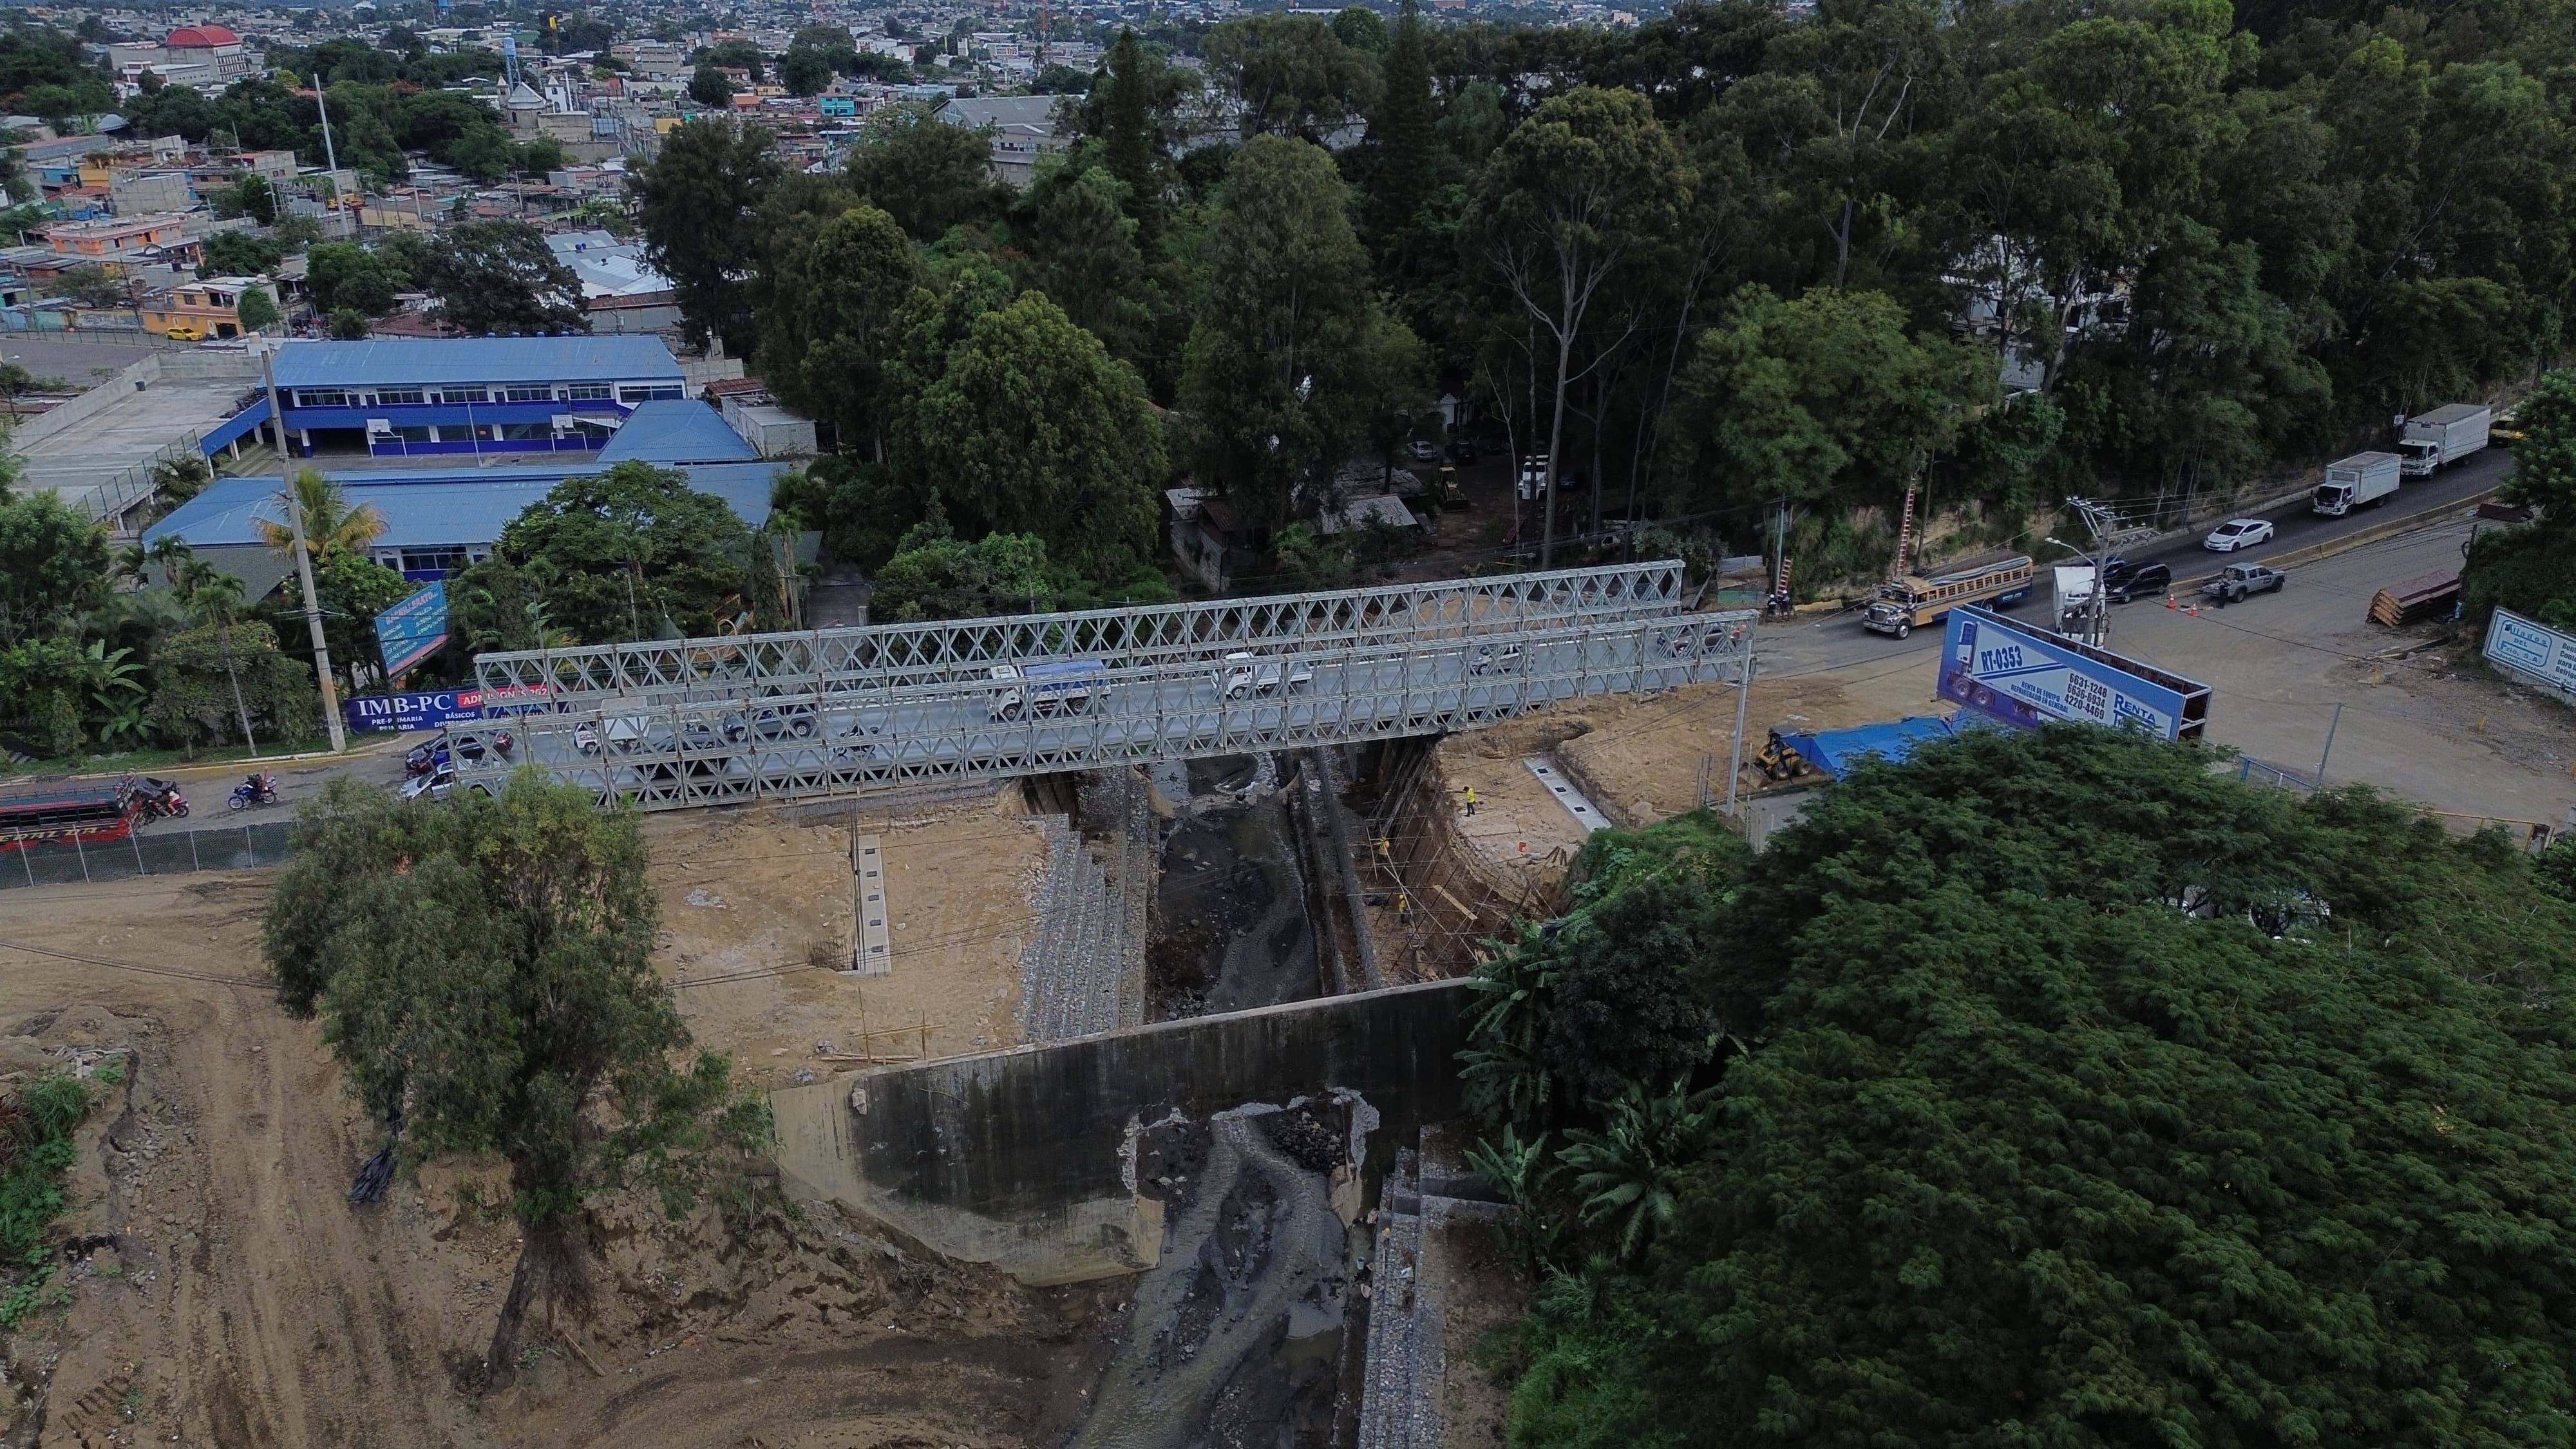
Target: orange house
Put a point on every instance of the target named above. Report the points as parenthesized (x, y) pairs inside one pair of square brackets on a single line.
[(114, 237)]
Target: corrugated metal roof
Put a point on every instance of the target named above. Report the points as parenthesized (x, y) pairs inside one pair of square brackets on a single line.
[(433, 509), (677, 432), (422, 360)]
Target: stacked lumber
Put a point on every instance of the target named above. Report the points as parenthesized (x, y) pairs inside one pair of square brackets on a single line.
[(2411, 601)]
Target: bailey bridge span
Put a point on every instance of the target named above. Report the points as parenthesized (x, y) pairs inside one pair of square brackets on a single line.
[(672, 724)]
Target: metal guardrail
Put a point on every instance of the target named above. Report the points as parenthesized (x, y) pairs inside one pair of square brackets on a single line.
[(2264, 772), (110, 501), (182, 852)]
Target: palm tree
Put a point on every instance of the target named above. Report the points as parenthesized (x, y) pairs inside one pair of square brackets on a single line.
[(182, 478), (172, 553), (329, 521)]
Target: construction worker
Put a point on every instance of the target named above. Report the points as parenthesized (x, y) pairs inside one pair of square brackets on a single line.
[(1385, 852), (1471, 802), (1403, 907)]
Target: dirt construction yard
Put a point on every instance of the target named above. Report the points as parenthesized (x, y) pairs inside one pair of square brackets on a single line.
[(1640, 758), (757, 912), (229, 1295)]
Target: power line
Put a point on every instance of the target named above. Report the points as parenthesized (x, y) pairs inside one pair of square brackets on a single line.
[(173, 972)]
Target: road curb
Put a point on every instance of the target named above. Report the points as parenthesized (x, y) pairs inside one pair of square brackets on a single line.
[(237, 768)]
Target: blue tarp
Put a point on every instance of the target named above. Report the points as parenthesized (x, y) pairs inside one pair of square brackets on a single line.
[(1836, 752)]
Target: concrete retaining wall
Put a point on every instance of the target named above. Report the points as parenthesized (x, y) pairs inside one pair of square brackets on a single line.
[(89, 404), (1025, 1158)]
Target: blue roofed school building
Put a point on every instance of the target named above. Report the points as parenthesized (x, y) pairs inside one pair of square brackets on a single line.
[(443, 514), (419, 397)]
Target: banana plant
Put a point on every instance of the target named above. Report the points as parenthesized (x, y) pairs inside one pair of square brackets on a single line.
[(1629, 1173), (1519, 1171), (1500, 1068), (126, 726), (111, 678)]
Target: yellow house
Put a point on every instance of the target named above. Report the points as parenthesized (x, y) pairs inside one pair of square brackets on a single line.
[(194, 311)]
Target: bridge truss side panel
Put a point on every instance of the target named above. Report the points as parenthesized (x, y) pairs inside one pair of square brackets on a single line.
[(899, 726), (898, 655)]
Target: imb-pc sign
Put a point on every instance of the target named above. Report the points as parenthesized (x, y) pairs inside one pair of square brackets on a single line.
[(2029, 677)]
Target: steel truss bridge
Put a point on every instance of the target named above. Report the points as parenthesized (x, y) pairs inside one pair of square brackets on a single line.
[(679, 723)]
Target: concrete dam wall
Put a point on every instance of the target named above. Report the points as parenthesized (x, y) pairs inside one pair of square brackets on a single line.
[(1028, 1158)]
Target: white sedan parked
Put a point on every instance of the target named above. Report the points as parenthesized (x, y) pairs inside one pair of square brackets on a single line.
[(2238, 533)]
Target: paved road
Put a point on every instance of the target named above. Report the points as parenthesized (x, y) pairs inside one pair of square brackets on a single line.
[(206, 787), (1829, 641)]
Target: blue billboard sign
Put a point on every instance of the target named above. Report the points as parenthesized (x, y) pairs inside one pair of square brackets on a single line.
[(2029, 677), (413, 629), (421, 710)]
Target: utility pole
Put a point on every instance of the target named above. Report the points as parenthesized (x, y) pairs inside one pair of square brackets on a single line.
[(303, 560), (2108, 530), (1735, 762), (331, 162), (1780, 548)]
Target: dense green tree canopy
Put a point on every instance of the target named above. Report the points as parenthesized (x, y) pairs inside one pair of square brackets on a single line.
[(2092, 1097), (344, 275), (927, 174), (1082, 247), (499, 276), (837, 282), (935, 575), (632, 553), (1826, 396), (2210, 247), (53, 564), (1291, 360), (698, 205), (1032, 428), (485, 971)]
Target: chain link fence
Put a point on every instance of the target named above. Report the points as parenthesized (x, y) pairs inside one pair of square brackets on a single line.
[(231, 847)]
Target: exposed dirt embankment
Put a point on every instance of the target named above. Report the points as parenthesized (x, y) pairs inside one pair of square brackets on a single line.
[(230, 1294), (758, 912)]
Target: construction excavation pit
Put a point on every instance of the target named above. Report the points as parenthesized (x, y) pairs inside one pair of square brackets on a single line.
[(1086, 1090), (1231, 924)]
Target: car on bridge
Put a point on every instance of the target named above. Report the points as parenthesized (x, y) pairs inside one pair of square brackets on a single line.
[(1247, 673)]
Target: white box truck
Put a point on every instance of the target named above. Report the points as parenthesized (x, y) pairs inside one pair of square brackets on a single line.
[(2360, 481), (2076, 584), (2442, 437), (1052, 686)]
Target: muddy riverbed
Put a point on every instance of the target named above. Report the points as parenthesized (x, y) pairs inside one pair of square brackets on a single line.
[(1232, 929)]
